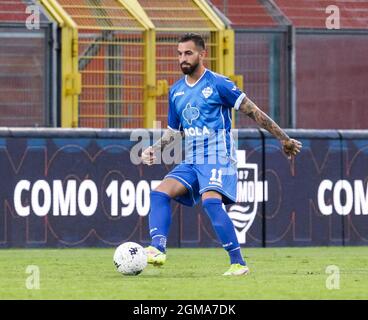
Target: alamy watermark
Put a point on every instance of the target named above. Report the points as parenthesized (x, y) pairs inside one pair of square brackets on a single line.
[(333, 280), (333, 20), (33, 280), (202, 146), (33, 19)]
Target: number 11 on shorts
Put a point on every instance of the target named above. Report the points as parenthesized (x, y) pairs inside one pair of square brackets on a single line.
[(216, 176)]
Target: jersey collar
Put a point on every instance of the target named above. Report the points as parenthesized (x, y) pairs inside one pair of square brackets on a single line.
[(192, 85)]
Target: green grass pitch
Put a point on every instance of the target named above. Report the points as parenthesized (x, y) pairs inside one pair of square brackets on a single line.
[(189, 274)]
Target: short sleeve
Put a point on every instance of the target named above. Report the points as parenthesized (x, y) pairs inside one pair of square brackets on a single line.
[(173, 120), (230, 94)]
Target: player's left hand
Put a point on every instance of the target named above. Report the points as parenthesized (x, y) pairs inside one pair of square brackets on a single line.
[(291, 147)]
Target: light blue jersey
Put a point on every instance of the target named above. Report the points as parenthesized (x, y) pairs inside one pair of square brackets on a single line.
[(203, 111)]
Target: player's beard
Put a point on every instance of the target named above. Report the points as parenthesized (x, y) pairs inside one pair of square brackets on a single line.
[(188, 68)]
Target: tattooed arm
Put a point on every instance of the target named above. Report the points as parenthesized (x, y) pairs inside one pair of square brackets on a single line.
[(290, 146), (262, 119), (167, 138)]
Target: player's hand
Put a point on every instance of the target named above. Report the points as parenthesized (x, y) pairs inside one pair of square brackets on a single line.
[(291, 147), (148, 156)]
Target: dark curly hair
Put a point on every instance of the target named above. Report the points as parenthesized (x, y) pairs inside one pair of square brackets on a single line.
[(195, 37)]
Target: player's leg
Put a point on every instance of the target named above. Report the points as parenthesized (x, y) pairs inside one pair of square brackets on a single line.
[(160, 214), (181, 185), (224, 228), (218, 186)]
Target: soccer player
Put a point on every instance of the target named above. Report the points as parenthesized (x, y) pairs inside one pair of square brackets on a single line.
[(200, 107)]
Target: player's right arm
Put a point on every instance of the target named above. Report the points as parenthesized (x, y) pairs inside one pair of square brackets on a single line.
[(169, 136), (173, 133)]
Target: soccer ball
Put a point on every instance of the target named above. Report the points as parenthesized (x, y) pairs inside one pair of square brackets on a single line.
[(130, 258)]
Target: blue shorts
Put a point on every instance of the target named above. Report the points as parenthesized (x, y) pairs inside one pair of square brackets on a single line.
[(199, 178)]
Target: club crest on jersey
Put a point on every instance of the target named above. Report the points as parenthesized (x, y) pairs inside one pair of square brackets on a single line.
[(190, 113), (250, 192), (207, 92)]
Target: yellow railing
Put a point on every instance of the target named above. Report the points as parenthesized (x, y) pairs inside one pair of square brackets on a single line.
[(71, 79), (119, 57)]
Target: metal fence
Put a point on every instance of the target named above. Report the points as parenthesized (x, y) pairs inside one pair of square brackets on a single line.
[(110, 46), (170, 19), (331, 79), (263, 59), (305, 78), (299, 72), (26, 95), (119, 57)]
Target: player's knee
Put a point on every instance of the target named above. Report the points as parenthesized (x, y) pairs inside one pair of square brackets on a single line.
[(161, 191), (171, 187), (211, 195), (158, 196)]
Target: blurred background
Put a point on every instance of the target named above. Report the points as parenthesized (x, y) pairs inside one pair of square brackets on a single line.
[(110, 63)]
